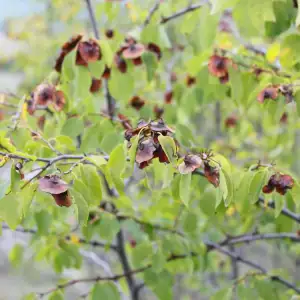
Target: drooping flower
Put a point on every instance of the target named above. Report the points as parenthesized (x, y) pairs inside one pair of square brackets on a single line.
[(190, 163)]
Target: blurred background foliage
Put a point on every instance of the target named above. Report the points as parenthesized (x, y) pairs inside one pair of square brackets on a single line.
[(263, 40)]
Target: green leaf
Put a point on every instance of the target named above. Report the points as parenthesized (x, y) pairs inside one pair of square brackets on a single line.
[(161, 284), (169, 147), (190, 222), (265, 289), (256, 185), (57, 295), (31, 296), (68, 66), (221, 5), (97, 68), (107, 52), (73, 127), (16, 255), (279, 204), (208, 202), (26, 197), (224, 294), (298, 14), (43, 222), (104, 290), (4, 185), (151, 63), (158, 261), (108, 227), (121, 85), (176, 188), (82, 83), (5, 144), (230, 188), (236, 84), (142, 254), (185, 188), (98, 161), (82, 207), (91, 179), (9, 210), (116, 165), (15, 179)]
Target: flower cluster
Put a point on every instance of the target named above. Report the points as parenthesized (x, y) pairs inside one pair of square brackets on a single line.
[(191, 162), (281, 182), (218, 67), (273, 91), (44, 95), (148, 144)]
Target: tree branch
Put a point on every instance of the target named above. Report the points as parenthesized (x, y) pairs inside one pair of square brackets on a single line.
[(93, 19), (151, 13), (125, 265), (182, 12), (255, 266), (67, 238)]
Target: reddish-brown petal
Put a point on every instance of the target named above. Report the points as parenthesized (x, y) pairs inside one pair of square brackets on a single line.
[(63, 199), (212, 174), (88, 51), (286, 181), (121, 64), (168, 97), (267, 93), (137, 61), (161, 155), (60, 100), (224, 79), (154, 49), (144, 164), (160, 126), (136, 102), (66, 48), (44, 94), (134, 51), (106, 73), (96, 85), (190, 164), (53, 185), (145, 151), (30, 107), (268, 189)]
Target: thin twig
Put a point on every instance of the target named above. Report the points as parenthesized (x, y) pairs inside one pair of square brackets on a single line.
[(151, 13), (270, 204), (93, 19), (182, 12), (46, 142), (75, 165)]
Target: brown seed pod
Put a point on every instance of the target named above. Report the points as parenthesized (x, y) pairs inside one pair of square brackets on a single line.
[(168, 97), (109, 33), (231, 121)]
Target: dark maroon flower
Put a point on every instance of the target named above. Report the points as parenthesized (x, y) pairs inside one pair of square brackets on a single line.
[(158, 111), (88, 51), (57, 188), (133, 51), (120, 63), (106, 73), (44, 94), (59, 102), (190, 80), (218, 67), (145, 150), (281, 182)]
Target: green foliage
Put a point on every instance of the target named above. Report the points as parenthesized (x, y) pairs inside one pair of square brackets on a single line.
[(206, 70)]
